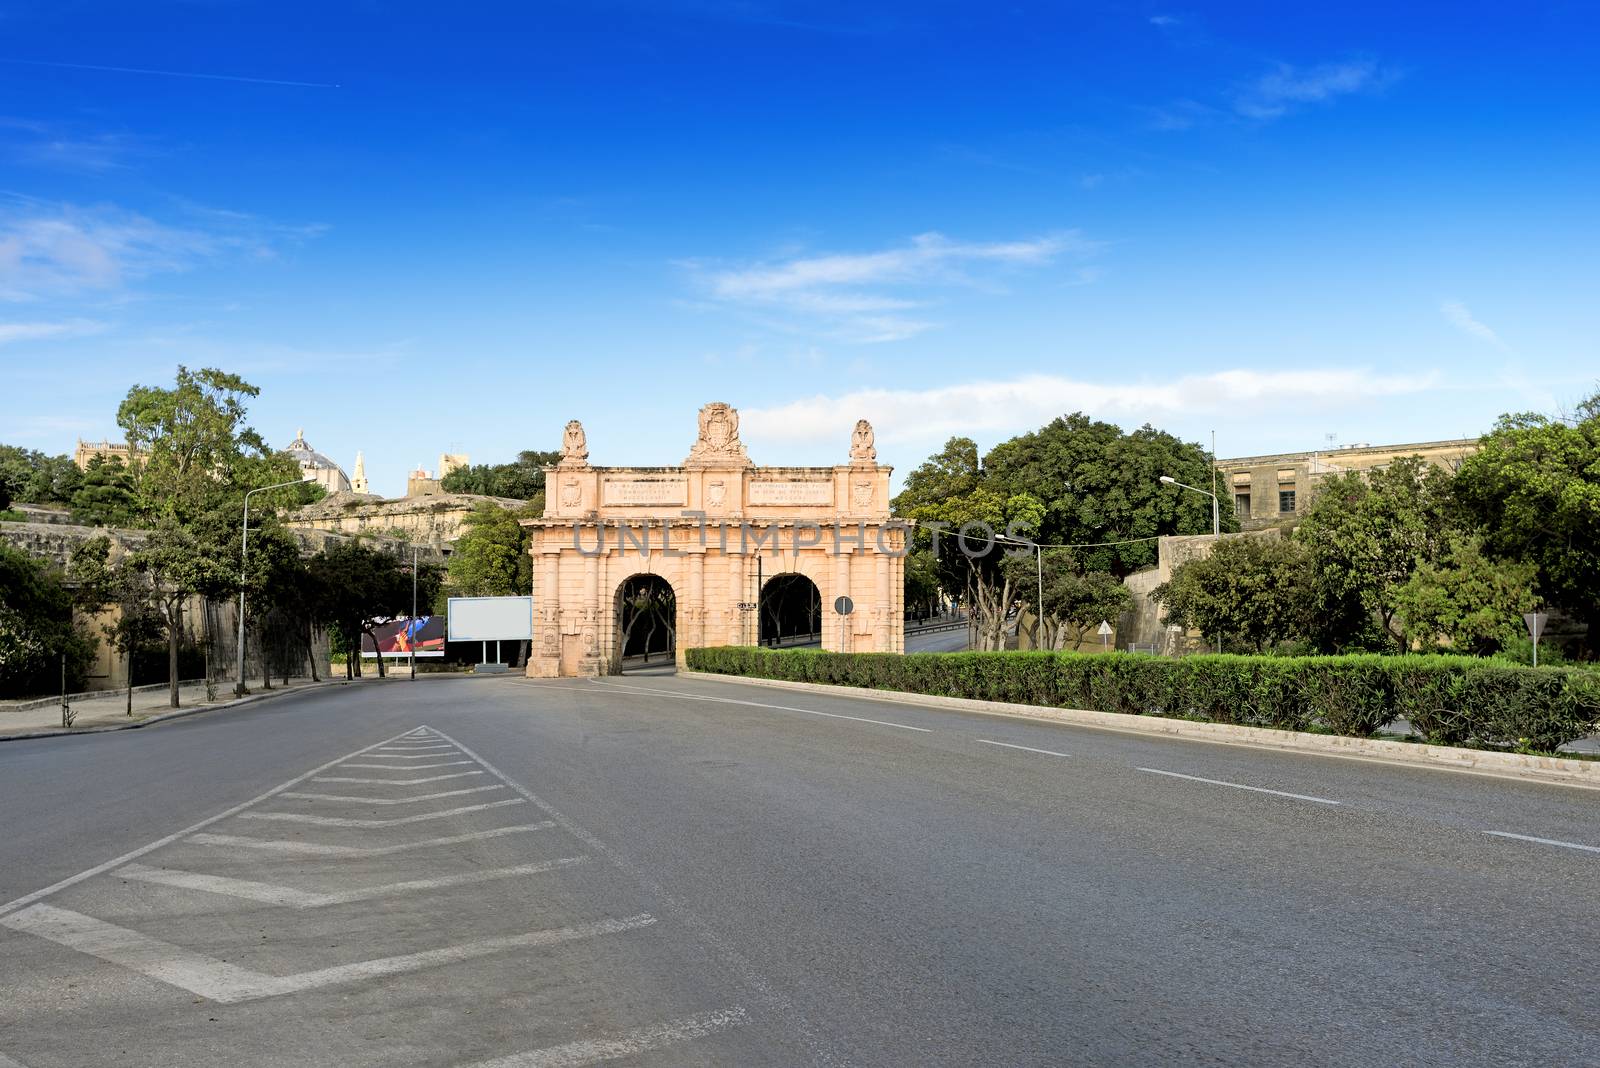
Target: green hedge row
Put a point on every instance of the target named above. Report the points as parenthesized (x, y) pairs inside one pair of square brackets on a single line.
[(1449, 700)]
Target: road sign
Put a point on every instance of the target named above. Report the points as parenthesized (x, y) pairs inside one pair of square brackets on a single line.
[(844, 606), (1104, 629), (1535, 622), (746, 606)]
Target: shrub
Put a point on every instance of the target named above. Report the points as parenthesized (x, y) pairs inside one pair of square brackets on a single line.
[(1449, 700)]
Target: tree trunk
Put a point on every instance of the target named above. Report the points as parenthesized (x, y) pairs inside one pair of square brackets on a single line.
[(374, 637), (311, 652), (174, 630), (261, 652), (128, 656)]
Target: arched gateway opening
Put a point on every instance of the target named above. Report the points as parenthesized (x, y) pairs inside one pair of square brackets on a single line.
[(646, 629), (790, 611)]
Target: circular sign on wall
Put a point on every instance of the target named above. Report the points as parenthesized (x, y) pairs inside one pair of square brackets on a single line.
[(844, 606)]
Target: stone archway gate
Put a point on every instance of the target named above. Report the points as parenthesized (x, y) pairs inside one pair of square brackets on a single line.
[(702, 526)]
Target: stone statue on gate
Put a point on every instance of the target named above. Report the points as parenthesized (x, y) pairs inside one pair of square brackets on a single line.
[(574, 446), (862, 449)]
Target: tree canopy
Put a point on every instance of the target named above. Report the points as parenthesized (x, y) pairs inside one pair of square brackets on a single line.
[(522, 479), (1532, 491)]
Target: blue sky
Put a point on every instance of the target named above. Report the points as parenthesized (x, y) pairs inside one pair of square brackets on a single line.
[(422, 227)]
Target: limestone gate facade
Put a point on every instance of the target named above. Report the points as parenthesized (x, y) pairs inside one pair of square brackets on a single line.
[(711, 528)]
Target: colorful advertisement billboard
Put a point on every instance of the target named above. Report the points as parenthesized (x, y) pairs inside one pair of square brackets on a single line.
[(397, 636)]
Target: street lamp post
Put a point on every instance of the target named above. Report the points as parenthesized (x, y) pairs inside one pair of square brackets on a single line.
[(244, 549), (413, 642), (1216, 518)]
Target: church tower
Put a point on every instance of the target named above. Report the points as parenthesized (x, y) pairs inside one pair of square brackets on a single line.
[(358, 484)]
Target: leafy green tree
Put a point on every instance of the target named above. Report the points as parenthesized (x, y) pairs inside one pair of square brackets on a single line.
[(105, 581), (952, 472), (921, 582), (1254, 591), (522, 479), (964, 535), (199, 447), (106, 495), (1473, 602), (359, 587), (491, 556), (36, 627), (182, 560), (201, 456), (1367, 534), (1075, 601), (1099, 484), (1532, 490), (32, 477)]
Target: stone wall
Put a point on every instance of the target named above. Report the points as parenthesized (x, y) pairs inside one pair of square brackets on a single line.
[(435, 520), (1144, 625)]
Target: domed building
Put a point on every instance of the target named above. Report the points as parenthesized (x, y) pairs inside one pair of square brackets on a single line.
[(318, 467)]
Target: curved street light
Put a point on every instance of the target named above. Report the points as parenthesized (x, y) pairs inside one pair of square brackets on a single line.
[(1216, 519)]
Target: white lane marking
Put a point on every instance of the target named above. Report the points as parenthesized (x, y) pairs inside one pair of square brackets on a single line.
[(419, 756), (409, 767), (89, 873), (340, 821), (628, 1044), (400, 782), (1028, 748), (289, 897), (410, 748), (218, 980), (776, 1002), (732, 701), (1240, 786), (1545, 841), (315, 849), (392, 800)]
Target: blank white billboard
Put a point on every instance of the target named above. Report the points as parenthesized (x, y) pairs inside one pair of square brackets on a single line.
[(490, 619)]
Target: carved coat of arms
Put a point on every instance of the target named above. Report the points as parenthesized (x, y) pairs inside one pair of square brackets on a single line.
[(719, 437)]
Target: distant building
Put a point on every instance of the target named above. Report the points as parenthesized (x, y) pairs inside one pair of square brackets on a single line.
[(322, 470), (358, 481), (1268, 490), (105, 450), (420, 483)]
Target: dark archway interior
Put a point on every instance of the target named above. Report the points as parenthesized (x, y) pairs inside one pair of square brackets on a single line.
[(791, 610), (647, 618)]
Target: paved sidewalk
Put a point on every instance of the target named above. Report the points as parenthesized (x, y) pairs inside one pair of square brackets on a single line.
[(110, 708)]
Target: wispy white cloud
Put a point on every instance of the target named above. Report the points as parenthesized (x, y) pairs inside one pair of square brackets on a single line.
[(66, 147), (864, 296), (1460, 316), (1006, 407), (10, 333), (1286, 87), (63, 250)]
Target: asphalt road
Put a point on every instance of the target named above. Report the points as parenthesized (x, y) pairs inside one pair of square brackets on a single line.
[(665, 871)]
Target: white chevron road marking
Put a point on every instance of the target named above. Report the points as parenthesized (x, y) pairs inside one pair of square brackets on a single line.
[(221, 981)]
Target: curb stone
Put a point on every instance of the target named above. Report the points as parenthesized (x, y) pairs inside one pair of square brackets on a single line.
[(1521, 766), (178, 713)]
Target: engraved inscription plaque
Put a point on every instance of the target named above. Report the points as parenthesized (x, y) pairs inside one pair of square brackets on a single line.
[(792, 493), (645, 491)]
